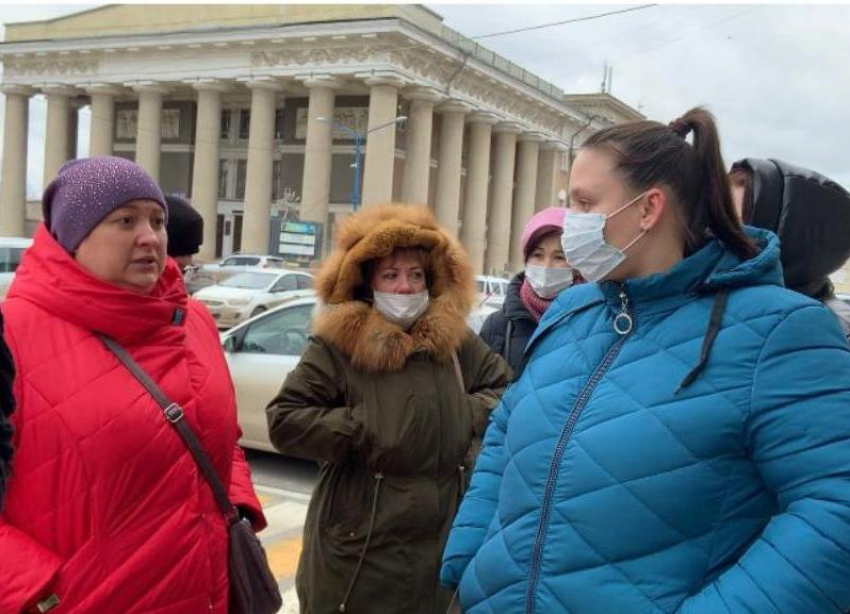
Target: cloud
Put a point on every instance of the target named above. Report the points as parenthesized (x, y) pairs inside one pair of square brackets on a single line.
[(771, 74)]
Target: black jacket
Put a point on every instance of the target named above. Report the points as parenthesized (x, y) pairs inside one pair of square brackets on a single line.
[(811, 215), (513, 319), (7, 406)]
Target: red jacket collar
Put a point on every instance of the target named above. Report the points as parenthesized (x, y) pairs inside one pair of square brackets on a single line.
[(49, 277)]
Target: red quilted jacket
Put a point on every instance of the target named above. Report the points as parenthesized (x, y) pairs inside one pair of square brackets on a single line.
[(106, 507)]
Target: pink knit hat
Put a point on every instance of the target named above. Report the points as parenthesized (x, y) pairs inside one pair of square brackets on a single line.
[(542, 223)]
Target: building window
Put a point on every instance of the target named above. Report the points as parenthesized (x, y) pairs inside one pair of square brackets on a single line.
[(126, 124), (278, 123), (244, 123), (241, 173), (237, 232), (170, 124), (223, 178), (226, 116), (277, 179)]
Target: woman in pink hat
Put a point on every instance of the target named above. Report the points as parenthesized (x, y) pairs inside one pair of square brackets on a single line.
[(530, 293)]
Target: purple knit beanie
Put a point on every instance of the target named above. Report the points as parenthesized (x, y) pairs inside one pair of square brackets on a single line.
[(87, 190)]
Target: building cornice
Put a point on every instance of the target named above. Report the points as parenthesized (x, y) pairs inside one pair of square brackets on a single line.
[(338, 49), (602, 100)]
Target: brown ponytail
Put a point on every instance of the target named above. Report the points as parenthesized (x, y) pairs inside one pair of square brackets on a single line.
[(648, 153)]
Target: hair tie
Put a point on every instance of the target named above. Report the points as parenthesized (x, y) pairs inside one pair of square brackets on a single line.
[(680, 127)]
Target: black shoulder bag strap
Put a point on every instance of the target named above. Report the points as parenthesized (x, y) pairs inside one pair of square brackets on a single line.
[(174, 414)]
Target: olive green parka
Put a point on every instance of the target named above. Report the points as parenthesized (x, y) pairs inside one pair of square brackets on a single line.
[(384, 413)]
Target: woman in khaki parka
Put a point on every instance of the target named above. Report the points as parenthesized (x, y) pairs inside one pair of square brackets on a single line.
[(377, 400)]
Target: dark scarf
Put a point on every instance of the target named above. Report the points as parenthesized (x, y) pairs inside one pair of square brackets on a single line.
[(536, 305)]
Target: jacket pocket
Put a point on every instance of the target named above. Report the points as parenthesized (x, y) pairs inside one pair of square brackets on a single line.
[(349, 500)]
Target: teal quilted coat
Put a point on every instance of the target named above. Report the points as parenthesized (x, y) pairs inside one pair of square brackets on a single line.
[(699, 463)]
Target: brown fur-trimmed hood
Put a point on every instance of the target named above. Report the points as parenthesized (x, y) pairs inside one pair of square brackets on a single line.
[(356, 327)]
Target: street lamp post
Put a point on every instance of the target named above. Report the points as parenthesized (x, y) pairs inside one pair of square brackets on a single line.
[(358, 152), (359, 139)]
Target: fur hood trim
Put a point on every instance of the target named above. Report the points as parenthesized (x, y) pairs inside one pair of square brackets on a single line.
[(356, 327)]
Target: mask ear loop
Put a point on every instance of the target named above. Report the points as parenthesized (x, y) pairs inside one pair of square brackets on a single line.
[(635, 240), (642, 232), (626, 206)]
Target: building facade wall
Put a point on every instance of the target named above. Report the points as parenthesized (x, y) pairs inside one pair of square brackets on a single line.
[(351, 52)]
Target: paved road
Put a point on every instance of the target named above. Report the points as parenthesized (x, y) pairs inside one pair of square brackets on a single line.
[(284, 486)]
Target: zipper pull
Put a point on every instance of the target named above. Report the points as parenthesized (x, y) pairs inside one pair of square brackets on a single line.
[(623, 322)]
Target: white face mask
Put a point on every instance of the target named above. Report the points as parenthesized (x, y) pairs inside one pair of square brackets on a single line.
[(548, 282), (585, 247), (401, 309)]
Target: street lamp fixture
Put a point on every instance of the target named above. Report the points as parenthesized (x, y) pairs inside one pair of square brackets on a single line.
[(359, 139)]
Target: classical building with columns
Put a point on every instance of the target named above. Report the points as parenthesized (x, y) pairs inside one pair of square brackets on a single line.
[(222, 103)]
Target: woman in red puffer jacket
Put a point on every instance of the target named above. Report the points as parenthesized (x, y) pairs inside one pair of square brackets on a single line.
[(106, 510)]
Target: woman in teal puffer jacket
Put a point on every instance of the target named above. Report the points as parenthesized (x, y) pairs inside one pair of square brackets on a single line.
[(678, 440)]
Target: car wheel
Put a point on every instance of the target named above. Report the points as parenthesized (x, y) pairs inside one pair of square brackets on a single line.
[(258, 311)]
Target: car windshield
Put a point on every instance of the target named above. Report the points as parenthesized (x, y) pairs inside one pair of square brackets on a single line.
[(250, 281)]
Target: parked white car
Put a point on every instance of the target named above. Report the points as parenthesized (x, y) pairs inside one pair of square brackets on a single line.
[(491, 290), (204, 275), (479, 315), (262, 351), (11, 251), (253, 292)]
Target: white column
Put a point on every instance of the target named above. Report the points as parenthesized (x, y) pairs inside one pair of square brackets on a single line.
[(57, 142), (447, 198), (474, 227), (526, 189), (417, 165), (149, 135), (316, 184), (206, 163), (499, 224), (13, 183), (547, 174), (102, 118), (380, 143), (258, 180)]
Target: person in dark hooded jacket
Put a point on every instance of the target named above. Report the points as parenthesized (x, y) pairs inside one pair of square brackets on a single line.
[(811, 215), (389, 396), (532, 290)]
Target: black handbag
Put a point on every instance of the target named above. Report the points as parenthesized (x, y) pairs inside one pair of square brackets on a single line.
[(253, 589)]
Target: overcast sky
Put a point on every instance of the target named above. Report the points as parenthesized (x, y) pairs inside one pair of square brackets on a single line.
[(774, 75)]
